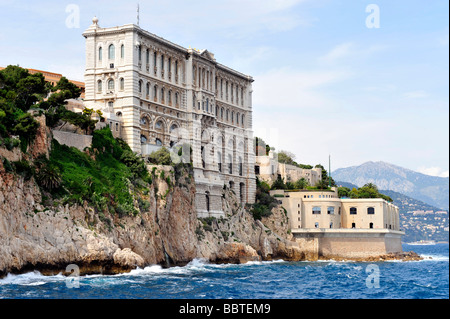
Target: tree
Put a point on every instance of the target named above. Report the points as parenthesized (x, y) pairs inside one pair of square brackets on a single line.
[(322, 184), (328, 180), (278, 183), (302, 183), (286, 158), (343, 192), (160, 157)]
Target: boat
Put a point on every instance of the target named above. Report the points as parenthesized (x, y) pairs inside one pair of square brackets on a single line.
[(423, 242)]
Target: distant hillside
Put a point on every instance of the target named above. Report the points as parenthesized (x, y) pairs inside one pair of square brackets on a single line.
[(418, 220), (429, 189)]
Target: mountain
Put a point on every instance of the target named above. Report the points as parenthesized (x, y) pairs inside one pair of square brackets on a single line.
[(418, 220), (432, 190)]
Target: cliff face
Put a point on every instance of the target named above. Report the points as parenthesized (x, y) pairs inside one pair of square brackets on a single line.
[(168, 232)]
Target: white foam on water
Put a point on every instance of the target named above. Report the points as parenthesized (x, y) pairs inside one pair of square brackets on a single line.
[(34, 278)]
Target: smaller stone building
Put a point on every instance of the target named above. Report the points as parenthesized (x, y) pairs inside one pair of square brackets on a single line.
[(267, 168), (326, 225)]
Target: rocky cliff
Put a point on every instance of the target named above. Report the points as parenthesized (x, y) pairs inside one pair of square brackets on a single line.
[(167, 232)]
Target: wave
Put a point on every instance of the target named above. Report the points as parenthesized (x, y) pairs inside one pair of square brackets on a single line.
[(34, 278)]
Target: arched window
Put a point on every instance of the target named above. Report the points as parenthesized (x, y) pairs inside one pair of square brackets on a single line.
[(122, 84), (242, 120), (111, 52), (230, 164), (110, 84), (207, 201), (176, 99), (99, 86), (237, 118), (221, 113), (219, 161), (162, 62), (147, 56), (155, 56), (162, 95), (158, 142), (169, 97), (353, 210), (370, 210), (122, 51), (143, 139), (173, 128), (144, 121), (140, 53), (155, 92), (159, 125), (226, 90), (176, 67), (228, 115), (207, 105), (140, 86), (203, 157), (217, 111), (147, 87), (232, 117), (241, 167), (100, 53)]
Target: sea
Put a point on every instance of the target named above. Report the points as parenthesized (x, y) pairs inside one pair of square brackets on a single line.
[(199, 280)]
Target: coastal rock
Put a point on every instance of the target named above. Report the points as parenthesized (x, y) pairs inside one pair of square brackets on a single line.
[(127, 258), (238, 253)]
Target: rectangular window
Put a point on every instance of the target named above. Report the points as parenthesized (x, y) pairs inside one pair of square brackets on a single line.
[(353, 210), (330, 210), (370, 210), (316, 210)]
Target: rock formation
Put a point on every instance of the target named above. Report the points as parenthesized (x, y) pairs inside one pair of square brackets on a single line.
[(168, 232)]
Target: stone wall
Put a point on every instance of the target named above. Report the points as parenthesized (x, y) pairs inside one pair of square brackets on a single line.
[(72, 139), (349, 243)]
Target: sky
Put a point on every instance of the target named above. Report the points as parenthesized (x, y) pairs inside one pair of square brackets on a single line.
[(353, 80)]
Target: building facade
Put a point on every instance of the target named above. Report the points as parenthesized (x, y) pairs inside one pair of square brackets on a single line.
[(330, 226), (268, 169), (164, 95)]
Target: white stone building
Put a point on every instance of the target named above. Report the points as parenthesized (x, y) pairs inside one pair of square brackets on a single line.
[(268, 169), (166, 95)]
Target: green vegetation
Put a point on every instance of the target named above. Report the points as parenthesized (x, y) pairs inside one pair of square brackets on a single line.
[(367, 191), (264, 202), (160, 157), (21, 92), (109, 176)]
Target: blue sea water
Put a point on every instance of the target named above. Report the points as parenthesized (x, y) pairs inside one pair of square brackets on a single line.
[(426, 279)]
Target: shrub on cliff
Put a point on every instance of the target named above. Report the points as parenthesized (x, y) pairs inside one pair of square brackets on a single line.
[(109, 175), (264, 202)]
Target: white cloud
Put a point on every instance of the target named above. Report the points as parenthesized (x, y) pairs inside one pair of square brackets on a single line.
[(284, 87), (434, 171), (338, 52), (349, 50), (419, 94)]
